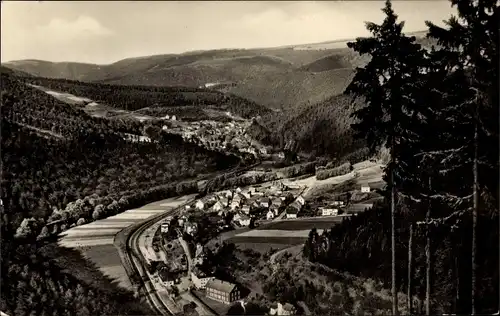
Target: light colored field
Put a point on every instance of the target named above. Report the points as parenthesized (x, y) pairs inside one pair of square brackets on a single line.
[(100, 225), (86, 243), (90, 238), (277, 233), (84, 232), (364, 172)]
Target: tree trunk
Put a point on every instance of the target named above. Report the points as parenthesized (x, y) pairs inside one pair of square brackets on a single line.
[(410, 258), (428, 258), (393, 243), (457, 280), (474, 220)]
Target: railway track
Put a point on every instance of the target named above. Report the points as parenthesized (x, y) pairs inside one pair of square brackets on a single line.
[(137, 262)]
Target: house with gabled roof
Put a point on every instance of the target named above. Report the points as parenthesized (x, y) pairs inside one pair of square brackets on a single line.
[(270, 214), (200, 205), (265, 202), (246, 194), (246, 209), (301, 200), (244, 220), (224, 202), (293, 210), (222, 291), (218, 206)]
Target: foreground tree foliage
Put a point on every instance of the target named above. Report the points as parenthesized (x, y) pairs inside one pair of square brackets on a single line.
[(33, 285), (443, 118)]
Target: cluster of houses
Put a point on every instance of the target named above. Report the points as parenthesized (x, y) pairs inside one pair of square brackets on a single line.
[(242, 202), (293, 210), (219, 136), (339, 205), (332, 209)]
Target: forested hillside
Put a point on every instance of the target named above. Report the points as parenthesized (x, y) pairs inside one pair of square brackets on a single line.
[(281, 77), (137, 97), (59, 164), (436, 235), (322, 129)]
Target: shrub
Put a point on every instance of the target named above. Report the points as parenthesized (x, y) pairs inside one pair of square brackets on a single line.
[(338, 171), (80, 221)]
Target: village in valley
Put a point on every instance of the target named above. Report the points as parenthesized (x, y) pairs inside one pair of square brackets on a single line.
[(228, 135), (176, 247)]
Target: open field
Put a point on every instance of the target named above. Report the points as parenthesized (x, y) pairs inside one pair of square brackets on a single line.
[(365, 172), (282, 240), (95, 241), (263, 247), (298, 224)]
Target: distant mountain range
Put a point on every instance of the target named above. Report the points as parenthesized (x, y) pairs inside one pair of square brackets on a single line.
[(301, 84), (280, 77)]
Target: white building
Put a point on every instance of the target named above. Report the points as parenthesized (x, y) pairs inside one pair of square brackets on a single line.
[(224, 202), (365, 188), (264, 202), (291, 215), (301, 200), (338, 203), (200, 205), (217, 206), (246, 194), (280, 309), (226, 193), (235, 204), (236, 217), (200, 281), (275, 210), (164, 228), (270, 214), (244, 220), (246, 209), (328, 211)]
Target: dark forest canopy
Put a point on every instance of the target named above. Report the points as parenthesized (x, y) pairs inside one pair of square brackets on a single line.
[(61, 165), (133, 98)]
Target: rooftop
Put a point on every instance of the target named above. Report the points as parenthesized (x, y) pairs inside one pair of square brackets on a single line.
[(292, 210), (288, 307), (220, 285)]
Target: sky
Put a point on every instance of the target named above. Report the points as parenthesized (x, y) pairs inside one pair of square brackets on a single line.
[(104, 32)]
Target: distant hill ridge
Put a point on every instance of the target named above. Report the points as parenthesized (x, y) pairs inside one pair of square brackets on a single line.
[(283, 77)]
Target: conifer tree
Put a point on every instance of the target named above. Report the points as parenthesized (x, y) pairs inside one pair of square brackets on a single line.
[(384, 83), (472, 38)]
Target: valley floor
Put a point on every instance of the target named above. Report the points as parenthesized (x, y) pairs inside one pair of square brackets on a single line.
[(96, 240)]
